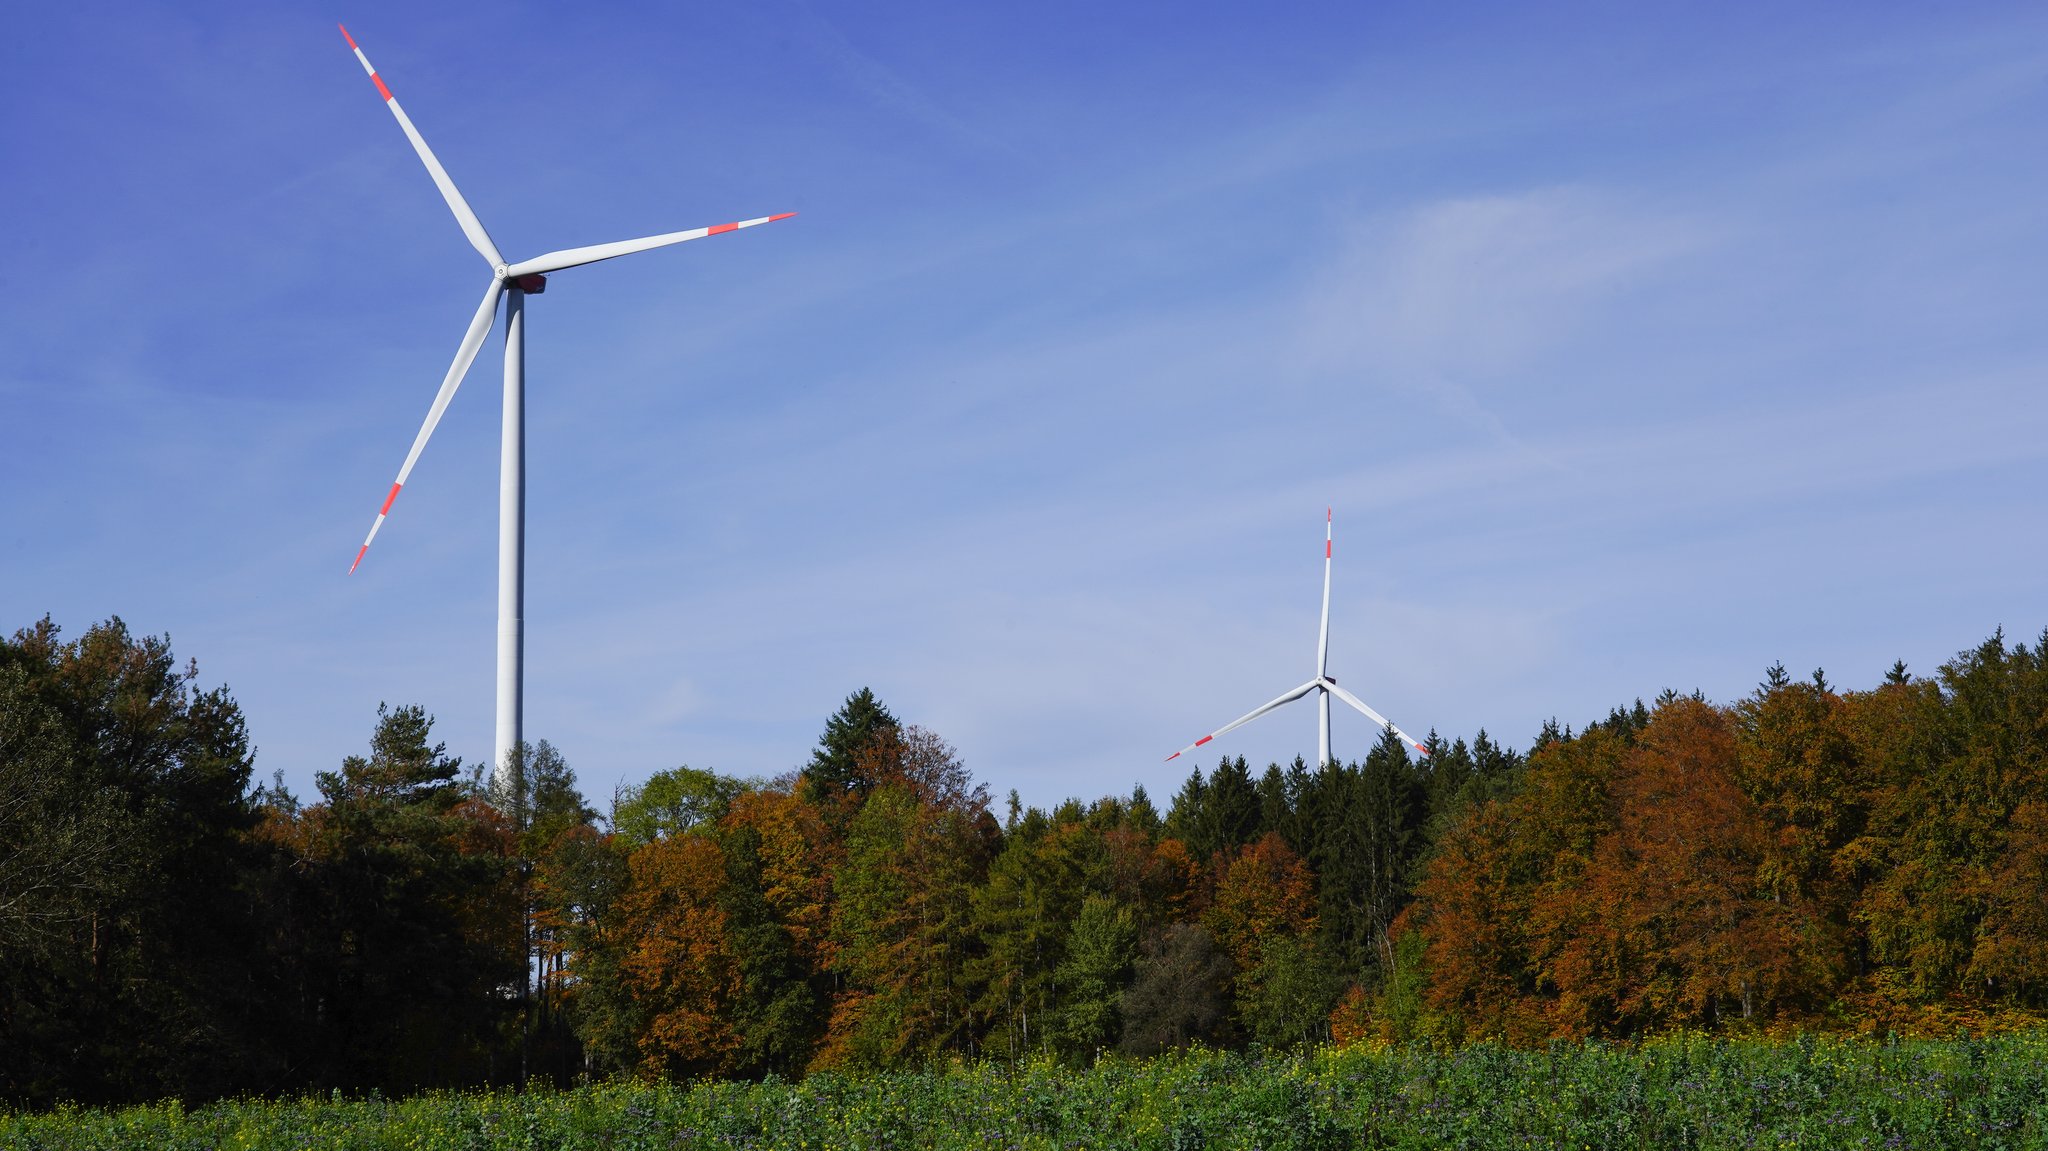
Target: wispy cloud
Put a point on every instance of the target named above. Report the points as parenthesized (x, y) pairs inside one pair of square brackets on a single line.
[(1473, 287), (1650, 367)]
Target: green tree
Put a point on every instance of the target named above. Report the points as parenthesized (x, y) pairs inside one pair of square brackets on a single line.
[(1286, 997), (1184, 815), (578, 885), (777, 1007), (1026, 911), (903, 922), (1021, 912), (1276, 806), (60, 846), (1956, 760), (1101, 952), (1231, 812), (1141, 815), (128, 933), (537, 792), (412, 892), (1367, 828), (672, 802), (833, 774), (1177, 995)]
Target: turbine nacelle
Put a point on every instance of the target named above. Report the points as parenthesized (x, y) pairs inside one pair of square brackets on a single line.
[(532, 283)]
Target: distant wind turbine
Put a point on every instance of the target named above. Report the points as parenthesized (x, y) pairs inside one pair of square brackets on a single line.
[(514, 282), (1323, 685)]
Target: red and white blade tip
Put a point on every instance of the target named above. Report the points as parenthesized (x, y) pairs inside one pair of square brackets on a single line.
[(374, 525), (722, 229), (365, 62)]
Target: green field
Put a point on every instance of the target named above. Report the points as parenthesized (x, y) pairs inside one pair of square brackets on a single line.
[(1685, 1092)]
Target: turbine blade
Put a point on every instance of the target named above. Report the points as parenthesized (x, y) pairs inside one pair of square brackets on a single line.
[(1323, 637), (465, 355), (1374, 716), (1290, 697), (576, 257), (471, 226)]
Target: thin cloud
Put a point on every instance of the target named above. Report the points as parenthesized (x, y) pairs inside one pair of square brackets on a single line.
[(1476, 287)]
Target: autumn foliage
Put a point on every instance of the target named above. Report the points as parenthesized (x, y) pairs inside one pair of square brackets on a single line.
[(1803, 858), (1806, 857)]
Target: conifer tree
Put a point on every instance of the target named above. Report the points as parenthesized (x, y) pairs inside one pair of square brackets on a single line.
[(1230, 809), (1140, 814), (834, 771), (1184, 818), (1276, 813)]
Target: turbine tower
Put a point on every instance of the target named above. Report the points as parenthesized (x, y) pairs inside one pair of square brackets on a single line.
[(514, 282), (1324, 685)]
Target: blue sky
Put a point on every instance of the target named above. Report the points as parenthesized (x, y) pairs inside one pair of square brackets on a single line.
[(1633, 347)]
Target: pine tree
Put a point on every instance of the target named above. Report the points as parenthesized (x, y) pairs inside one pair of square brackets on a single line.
[(1185, 818), (833, 773), (1230, 809), (1276, 813), (1141, 815), (405, 875)]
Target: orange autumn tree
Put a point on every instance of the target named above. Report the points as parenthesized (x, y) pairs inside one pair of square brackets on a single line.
[(1156, 880), (2013, 948), (676, 964), (796, 856), (1675, 926), (1263, 915), (1502, 895), (1556, 823), (1470, 910), (1626, 887), (1264, 891)]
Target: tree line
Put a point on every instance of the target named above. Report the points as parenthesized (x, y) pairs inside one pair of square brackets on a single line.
[(1805, 857)]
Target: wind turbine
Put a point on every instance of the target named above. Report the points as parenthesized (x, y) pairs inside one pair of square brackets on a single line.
[(1324, 685), (514, 282)]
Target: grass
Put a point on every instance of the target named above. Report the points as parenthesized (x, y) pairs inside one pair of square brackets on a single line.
[(1675, 1092)]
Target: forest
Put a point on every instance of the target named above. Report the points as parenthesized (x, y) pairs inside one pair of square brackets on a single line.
[(1805, 859)]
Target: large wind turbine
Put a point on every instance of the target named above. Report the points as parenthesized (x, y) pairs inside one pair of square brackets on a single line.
[(514, 282), (1323, 684)]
